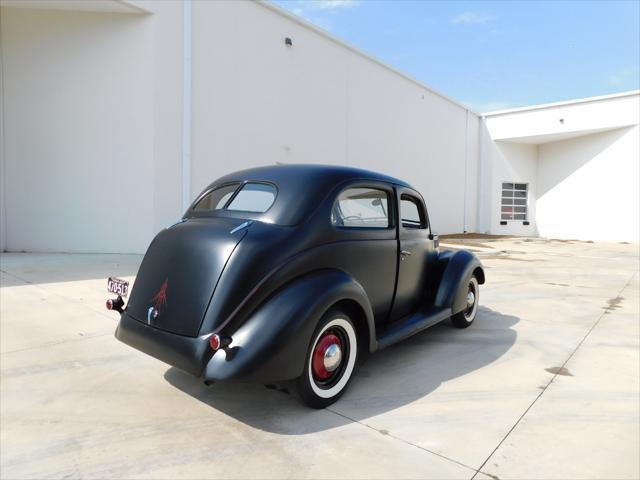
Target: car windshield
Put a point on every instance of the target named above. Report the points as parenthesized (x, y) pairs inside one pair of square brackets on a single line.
[(250, 197)]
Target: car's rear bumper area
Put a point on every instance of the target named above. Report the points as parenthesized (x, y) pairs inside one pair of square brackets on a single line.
[(189, 354)]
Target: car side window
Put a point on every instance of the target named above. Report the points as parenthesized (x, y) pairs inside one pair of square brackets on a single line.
[(361, 208), (216, 199), (412, 212)]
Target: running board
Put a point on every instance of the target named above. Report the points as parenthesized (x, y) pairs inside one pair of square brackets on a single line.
[(413, 324)]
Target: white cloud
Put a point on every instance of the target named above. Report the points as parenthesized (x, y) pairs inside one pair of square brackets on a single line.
[(471, 18), (330, 4), (491, 106), (304, 6), (315, 11), (616, 79), (318, 20), (623, 77)]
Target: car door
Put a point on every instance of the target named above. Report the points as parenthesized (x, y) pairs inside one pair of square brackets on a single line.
[(416, 251), (364, 241)]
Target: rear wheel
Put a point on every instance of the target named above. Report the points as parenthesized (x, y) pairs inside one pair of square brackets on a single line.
[(330, 360), (466, 317)]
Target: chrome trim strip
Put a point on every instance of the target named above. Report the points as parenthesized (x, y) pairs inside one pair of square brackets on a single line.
[(241, 226)]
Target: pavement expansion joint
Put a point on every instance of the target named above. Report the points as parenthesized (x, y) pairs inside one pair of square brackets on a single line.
[(558, 371)]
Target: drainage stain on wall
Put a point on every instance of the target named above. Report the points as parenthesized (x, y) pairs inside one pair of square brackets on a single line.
[(613, 304), (560, 371)]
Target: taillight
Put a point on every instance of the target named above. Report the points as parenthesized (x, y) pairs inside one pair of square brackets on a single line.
[(214, 341), (218, 341), (116, 304)]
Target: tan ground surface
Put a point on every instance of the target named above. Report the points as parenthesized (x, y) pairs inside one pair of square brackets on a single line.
[(545, 384)]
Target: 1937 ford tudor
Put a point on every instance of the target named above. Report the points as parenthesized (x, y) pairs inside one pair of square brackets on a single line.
[(292, 273)]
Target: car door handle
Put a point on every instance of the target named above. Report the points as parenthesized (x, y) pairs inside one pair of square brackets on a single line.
[(404, 254)]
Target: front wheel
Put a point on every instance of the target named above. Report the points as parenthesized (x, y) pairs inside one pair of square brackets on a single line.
[(330, 360), (466, 317)]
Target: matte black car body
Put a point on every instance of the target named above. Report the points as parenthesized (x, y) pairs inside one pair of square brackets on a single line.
[(266, 279)]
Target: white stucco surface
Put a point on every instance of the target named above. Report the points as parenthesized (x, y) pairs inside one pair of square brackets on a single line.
[(259, 102), (78, 130), (513, 162), (100, 148), (94, 118), (555, 121), (588, 187), (581, 161)]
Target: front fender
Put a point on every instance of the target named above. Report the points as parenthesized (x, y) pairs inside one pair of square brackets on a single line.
[(271, 345), (457, 269)]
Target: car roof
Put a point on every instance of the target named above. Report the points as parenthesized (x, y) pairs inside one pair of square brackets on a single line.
[(305, 173), (301, 187)]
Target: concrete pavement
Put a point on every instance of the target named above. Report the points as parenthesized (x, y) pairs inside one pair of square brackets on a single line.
[(545, 384)]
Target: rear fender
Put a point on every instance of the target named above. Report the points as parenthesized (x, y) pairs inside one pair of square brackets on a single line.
[(271, 345), (457, 269)]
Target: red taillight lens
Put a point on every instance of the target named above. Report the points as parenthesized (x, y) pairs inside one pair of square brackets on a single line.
[(218, 341), (115, 304), (214, 341)]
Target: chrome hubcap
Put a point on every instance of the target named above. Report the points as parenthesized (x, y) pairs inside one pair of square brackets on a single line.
[(327, 356), (332, 357), (471, 299)]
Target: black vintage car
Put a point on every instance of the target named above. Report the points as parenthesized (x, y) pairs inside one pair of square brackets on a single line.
[(293, 273)]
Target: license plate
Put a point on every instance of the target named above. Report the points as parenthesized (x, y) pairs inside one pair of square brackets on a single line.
[(117, 286)]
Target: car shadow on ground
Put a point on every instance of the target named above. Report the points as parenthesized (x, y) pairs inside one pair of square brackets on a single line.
[(389, 379)]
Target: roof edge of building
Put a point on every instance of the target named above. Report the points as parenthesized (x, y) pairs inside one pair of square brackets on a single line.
[(301, 21), (542, 106)]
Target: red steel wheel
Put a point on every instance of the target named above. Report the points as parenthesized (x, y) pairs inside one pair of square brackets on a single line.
[(327, 356)]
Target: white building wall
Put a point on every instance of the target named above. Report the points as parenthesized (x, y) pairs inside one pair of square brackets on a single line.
[(94, 116), (93, 126), (257, 101), (580, 160), (551, 122), (588, 187), (167, 89), (513, 162), (78, 106), (3, 203), (472, 167)]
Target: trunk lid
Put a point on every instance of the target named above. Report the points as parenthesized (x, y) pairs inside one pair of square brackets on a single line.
[(180, 272)]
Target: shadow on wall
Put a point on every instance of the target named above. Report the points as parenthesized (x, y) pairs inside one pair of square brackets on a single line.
[(582, 150), (388, 379)]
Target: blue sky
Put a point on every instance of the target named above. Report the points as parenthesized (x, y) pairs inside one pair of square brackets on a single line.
[(494, 55)]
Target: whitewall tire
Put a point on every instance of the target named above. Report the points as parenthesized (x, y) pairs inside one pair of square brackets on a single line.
[(330, 360), (466, 317)]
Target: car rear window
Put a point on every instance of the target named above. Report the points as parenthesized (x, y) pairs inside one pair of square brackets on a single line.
[(253, 197), (216, 199)]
